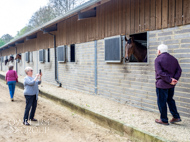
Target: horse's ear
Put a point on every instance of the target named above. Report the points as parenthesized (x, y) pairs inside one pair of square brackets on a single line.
[(132, 39)]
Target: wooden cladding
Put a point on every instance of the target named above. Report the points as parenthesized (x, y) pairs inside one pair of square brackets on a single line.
[(115, 17), (124, 17)]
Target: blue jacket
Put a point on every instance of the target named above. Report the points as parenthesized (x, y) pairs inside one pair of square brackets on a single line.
[(31, 86)]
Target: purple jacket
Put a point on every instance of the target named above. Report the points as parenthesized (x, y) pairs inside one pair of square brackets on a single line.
[(166, 67)]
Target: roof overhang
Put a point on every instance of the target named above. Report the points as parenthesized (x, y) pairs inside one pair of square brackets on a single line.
[(47, 26)]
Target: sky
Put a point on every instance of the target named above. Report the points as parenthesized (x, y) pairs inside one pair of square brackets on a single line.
[(15, 14)]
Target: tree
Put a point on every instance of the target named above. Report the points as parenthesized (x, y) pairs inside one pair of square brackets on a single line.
[(54, 9), (6, 38), (23, 31), (1, 42), (42, 16), (62, 6)]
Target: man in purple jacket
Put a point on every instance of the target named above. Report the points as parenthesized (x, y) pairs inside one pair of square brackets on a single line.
[(168, 73)]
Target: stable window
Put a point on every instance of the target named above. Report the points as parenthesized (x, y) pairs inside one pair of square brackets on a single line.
[(113, 48), (42, 56), (18, 58), (61, 54), (72, 53), (48, 55), (27, 57), (136, 48)]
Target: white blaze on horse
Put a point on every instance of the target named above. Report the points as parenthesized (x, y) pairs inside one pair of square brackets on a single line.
[(135, 48)]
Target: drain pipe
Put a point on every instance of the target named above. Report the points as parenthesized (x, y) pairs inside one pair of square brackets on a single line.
[(95, 67), (56, 63)]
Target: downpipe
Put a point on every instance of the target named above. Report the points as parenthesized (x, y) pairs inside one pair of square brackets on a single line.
[(56, 63), (95, 67)]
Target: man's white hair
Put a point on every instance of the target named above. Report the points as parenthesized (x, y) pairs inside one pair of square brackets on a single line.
[(27, 69), (163, 48)]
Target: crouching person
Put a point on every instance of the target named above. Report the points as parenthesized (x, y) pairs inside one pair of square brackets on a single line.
[(31, 92)]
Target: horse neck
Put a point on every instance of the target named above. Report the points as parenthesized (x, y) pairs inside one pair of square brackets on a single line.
[(139, 53)]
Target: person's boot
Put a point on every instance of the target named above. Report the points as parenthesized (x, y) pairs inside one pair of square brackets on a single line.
[(161, 122), (174, 120)]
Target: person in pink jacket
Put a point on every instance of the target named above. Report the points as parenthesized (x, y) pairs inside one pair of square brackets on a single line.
[(11, 79)]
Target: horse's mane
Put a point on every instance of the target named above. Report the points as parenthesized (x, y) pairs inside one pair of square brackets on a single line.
[(139, 45)]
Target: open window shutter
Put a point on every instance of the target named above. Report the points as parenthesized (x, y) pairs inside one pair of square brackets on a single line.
[(27, 55), (42, 55), (61, 54), (113, 49)]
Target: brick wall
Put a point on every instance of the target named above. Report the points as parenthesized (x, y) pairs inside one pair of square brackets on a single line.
[(79, 75), (135, 84)]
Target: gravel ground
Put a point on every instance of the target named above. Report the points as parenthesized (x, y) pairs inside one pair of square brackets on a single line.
[(143, 120), (56, 123)]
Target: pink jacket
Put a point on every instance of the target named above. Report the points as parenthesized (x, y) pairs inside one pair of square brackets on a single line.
[(11, 75)]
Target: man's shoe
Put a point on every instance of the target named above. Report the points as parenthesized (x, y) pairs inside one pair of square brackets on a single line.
[(174, 120), (33, 119), (26, 123), (160, 122), (12, 99)]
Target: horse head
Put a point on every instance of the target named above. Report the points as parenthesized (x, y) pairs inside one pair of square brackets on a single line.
[(129, 50), (18, 56), (11, 58), (138, 50)]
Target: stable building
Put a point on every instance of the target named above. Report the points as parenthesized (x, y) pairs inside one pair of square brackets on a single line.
[(84, 49)]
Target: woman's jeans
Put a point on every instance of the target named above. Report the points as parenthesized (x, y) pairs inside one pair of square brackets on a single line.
[(11, 85), (31, 103), (165, 96)]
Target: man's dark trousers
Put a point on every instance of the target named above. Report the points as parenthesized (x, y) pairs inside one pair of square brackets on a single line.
[(30, 102), (166, 96)]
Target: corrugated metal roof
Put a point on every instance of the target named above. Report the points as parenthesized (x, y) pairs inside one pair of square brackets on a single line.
[(54, 21)]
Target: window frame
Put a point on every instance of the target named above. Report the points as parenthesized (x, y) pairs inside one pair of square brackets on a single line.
[(137, 63)]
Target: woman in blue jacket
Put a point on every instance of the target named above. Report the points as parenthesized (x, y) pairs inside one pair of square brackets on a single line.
[(31, 92)]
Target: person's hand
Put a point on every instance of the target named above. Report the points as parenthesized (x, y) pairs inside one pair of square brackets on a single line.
[(37, 75), (174, 81), (41, 75)]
